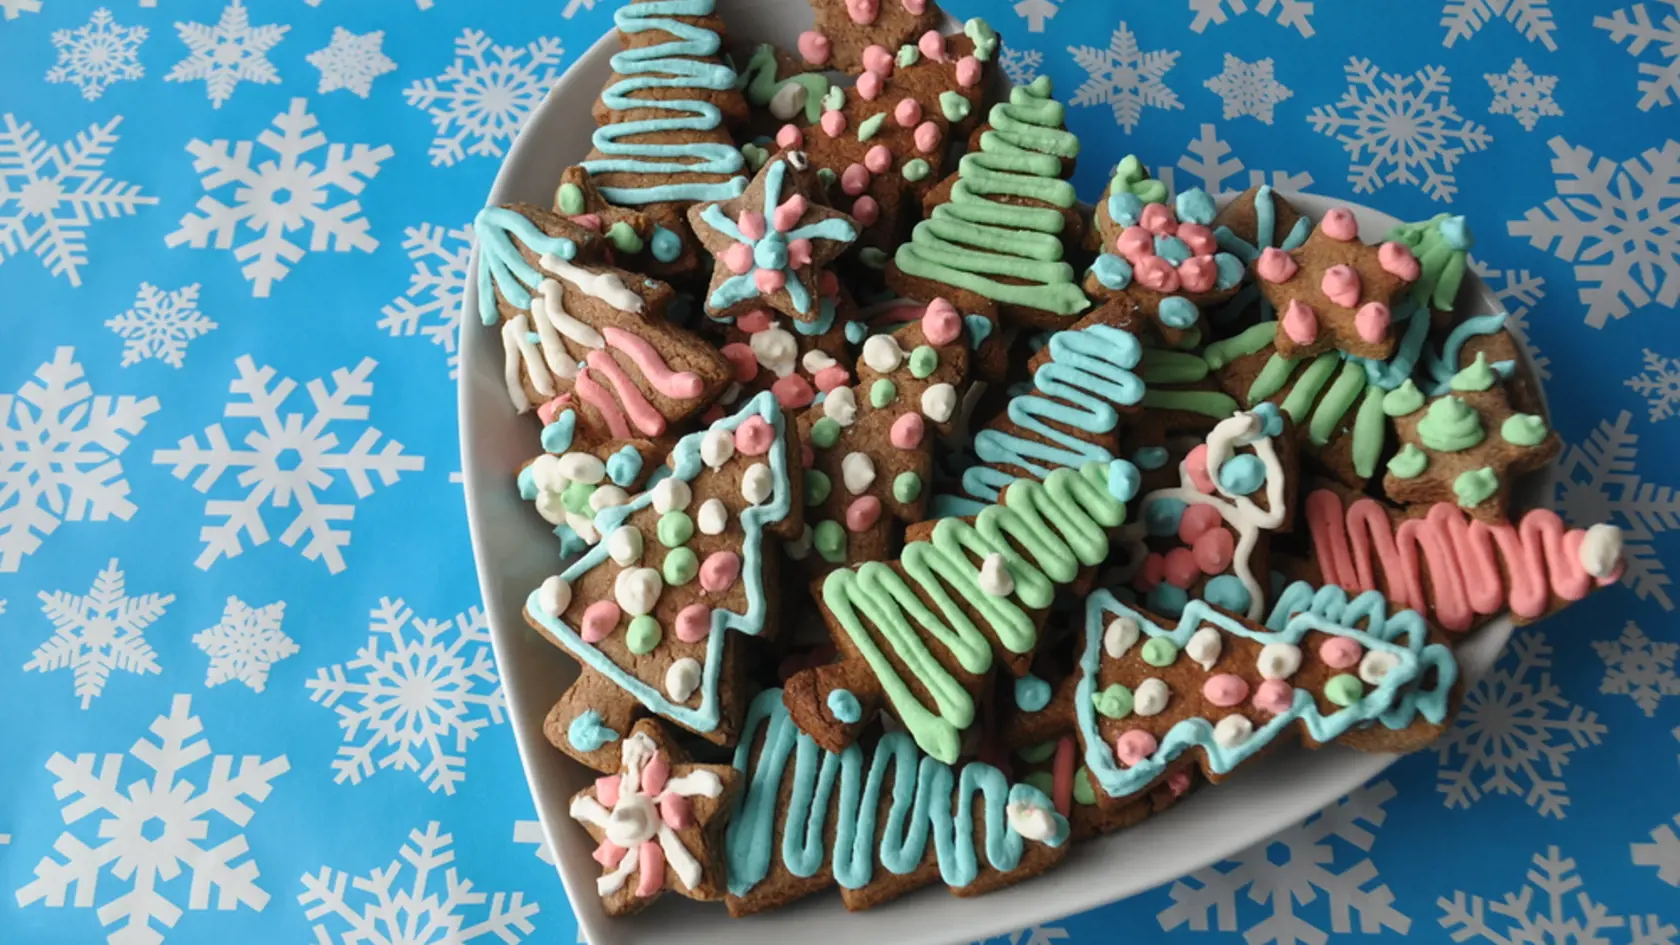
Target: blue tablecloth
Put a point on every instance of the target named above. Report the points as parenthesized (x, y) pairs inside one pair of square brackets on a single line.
[(245, 681)]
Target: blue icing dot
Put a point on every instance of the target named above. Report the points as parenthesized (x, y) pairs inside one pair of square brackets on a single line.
[(1167, 600), (557, 436), (856, 332), (1112, 271), (667, 246), (623, 466), (1031, 693), (979, 329), (1179, 312), (1230, 270), (826, 310), (844, 706), (1125, 208), (587, 733), (1172, 249), (1227, 591), (1242, 474), (1123, 480), (771, 252), (1195, 206), (527, 484), (1271, 416), (1150, 457), (571, 543), (1457, 233), (1161, 517)]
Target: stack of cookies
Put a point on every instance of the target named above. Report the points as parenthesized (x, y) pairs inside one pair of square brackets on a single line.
[(917, 521)]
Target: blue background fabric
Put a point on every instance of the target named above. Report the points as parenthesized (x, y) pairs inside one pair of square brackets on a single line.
[(246, 683)]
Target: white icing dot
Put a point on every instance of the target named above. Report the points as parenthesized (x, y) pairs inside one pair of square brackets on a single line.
[(584, 526), (797, 160), (637, 590), (788, 100), (757, 483), (1279, 660), (776, 350), (554, 596), (551, 507), (1376, 665), (582, 467), (994, 576), (671, 495), (1030, 821), (716, 446), (1150, 697), (605, 497), (882, 354), (1601, 550), (939, 402), (815, 360), (799, 548), (1122, 632), (682, 679), (625, 545), (841, 406), (730, 394), (713, 517), (857, 471), (545, 473), (1232, 730), (1204, 647)]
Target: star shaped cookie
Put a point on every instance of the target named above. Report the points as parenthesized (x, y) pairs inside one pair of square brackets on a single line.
[(1335, 291)]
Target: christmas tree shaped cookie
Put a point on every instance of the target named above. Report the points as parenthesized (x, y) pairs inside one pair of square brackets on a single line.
[(638, 241), (569, 484), (1336, 292)]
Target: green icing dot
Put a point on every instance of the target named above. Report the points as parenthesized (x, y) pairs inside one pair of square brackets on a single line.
[(623, 238), (1403, 400), (830, 541), (643, 635), (1082, 793), (923, 361), (576, 498), (1033, 754), (1114, 702), (571, 199), (908, 55), (882, 392), (953, 106), (907, 487), (1523, 429), (675, 528), (824, 432), (826, 175), (873, 257), (1409, 463), (680, 567), (1451, 426), (1042, 780), (755, 155), (817, 487), (1344, 689), (915, 169), (871, 126), (1478, 376), (1474, 487), (985, 38), (1160, 651), (834, 99)]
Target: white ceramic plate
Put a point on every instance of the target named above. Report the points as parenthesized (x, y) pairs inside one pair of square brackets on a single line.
[(515, 550)]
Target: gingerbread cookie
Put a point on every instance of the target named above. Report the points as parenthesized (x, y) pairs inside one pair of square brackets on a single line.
[(640, 239), (846, 29), (795, 360), (1336, 292), (1258, 219), (569, 486)]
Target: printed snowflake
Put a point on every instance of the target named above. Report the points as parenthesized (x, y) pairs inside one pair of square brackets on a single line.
[(98, 54), (99, 631), (1248, 88), (432, 305), (1465, 18), (15, 8), (482, 99), (1518, 291), (1036, 13), (1292, 13), (1597, 483), (351, 61), (1638, 667), (1307, 869), (281, 196), (389, 914), (422, 688), (1659, 384), (289, 458), (62, 188), (1031, 935), (1522, 94), (530, 832), (1209, 160), (1401, 126), (226, 54), (1125, 77), (419, 4), (1616, 222), (1020, 65), (160, 324), (155, 828), (60, 449), (1663, 852), (246, 642), (1547, 922), (1662, 87), (1513, 728)]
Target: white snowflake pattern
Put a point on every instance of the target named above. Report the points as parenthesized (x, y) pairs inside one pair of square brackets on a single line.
[(156, 828), (1659, 384), (1037, 13), (391, 914), (278, 197), (160, 324), (1031, 935), (1515, 733), (480, 102), (1663, 852), (1396, 127), (1216, 169), (1289, 13), (1518, 290), (422, 688), (99, 631), (1125, 77), (289, 458), (1638, 667), (1532, 18), (1662, 83), (530, 833), (1020, 65), (1555, 884), (351, 61), (61, 188), (1520, 93), (419, 4), (1597, 483), (1248, 88), (92, 57), (15, 8), (1308, 868), (60, 455), (224, 55), (431, 307), (245, 643)]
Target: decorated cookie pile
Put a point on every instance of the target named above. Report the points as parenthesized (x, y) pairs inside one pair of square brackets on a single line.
[(914, 521)]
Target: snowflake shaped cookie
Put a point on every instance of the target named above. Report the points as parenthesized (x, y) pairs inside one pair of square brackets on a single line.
[(1336, 292)]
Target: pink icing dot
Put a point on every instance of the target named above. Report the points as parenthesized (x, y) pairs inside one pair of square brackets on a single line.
[(1397, 260), (1135, 243), (834, 123), (1199, 238), (932, 45), (608, 853), (654, 774), (599, 619), (754, 321), (814, 47), (675, 810), (754, 436), (907, 431), (1178, 782), (1300, 323), (719, 570), (1340, 652), (1341, 285), (1153, 571), (863, 513), (915, 7), (791, 210), (769, 281), (788, 137), (1134, 746), (739, 258), (1181, 568), (940, 323), (793, 391), (854, 179), (1225, 690), (550, 409), (908, 112), (1198, 273), (876, 59), (751, 224), (1155, 272), (1373, 321), (606, 790), (878, 159), (866, 211), (1195, 463), (927, 137), (588, 221), (863, 12), (1157, 219), (1214, 549), (694, 622), (1339, 224), (1275, 265), (1274, 696), (831, 377), (742, 358), (1196, 521), (799, 253), (828, 284), (869, 85), (968, 72)]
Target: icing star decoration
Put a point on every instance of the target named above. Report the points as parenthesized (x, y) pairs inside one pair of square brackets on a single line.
[(772, 242)]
